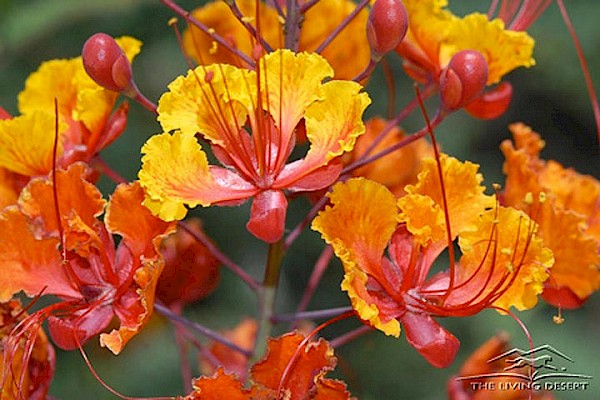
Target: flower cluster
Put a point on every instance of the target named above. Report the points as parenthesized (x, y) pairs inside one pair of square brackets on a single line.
[(272, 112)]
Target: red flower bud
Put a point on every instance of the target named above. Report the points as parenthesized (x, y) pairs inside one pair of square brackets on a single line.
[(464, 79), (386, 27), (4, 114), (492, 104), (106, 63)]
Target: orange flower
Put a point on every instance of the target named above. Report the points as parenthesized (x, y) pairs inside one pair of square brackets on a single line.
[(28, 370), (319, 22), (74, 258), (191, 271), (250, 118), (503, 262), (566, 206), (395, 170), (291, 369), (84, 111)]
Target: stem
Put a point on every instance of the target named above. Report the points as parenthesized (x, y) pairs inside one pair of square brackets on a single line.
[(300, 227), (584, 66), (223, 259), (341, 26), (293, 20), (317, 314), (350, 336), (316, 275), (209, 333), (217, 38), (267, 298)]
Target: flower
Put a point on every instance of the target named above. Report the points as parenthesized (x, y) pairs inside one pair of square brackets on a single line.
[(319, 21), (566, 206), (28, 370), (292, 367), (435, 35), (250, 118), (503, 262), (85, 126), (64, 250)]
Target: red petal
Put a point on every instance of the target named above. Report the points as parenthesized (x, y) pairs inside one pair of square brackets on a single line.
[(434, 343), (267, 215)]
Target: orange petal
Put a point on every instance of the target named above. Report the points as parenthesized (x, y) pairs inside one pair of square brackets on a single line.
[(313, 359), (79, 203), (30, 264), (217, 387), (463, 193)]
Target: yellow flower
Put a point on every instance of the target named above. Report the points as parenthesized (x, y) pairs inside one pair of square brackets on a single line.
[(250, 119), (435, 35), (86, 124)]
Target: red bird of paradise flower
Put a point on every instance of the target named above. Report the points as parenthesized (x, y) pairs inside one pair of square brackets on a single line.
[(503, 264), (61, 248), (251, 119)]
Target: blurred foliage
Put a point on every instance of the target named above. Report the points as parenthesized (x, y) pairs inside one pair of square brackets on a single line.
[(550, 97)]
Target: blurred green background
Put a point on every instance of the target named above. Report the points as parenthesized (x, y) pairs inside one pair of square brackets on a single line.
[(550, 97)]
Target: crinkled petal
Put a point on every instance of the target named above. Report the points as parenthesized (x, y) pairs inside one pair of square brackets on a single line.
[(504, 50), (27, 263), (9, 188), (27, 143), (332, 126), (290, 83), (79, 202), (313, 361), (175, 172), (359, 228), (423, 207), (504, 258), (126, 216), (200, 103), (219, 386)]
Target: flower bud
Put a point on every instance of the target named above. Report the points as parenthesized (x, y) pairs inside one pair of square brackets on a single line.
[(386, 26), (464, 79), (4, 114), (106, 63), (493, 103)]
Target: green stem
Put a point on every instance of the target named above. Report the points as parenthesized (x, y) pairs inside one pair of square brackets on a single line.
[(267, 298)]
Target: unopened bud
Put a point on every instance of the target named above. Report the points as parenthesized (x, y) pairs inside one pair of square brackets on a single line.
[(386, 26), (106, 63), (464, 79), (493, 103)]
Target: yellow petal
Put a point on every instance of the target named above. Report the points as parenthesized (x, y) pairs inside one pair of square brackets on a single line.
[(193, 105), (27, 143), (175, 172), (504, 50), (464, 195), (292, 82), (358, 226), (516, 259)]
